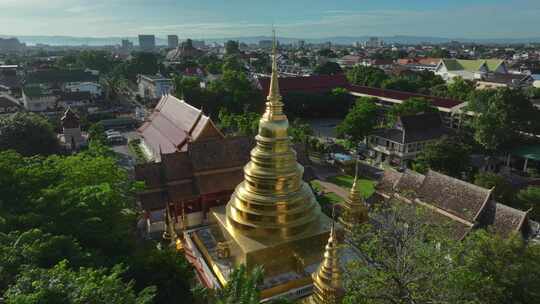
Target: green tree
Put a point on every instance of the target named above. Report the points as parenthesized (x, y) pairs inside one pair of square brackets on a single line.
[(166, 269), (242, 288), (503, 191), (360, 120), (18, 250), (460, 89), (60, 285), (529, 198), (410, 106), (232, 47), (19, 132), (300, 131), (402, 259), (447, 155), (501, 115), (329, 68), (400, 84), (494, 269), (367, 76)]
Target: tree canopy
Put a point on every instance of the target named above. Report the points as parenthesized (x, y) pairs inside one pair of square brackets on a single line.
[(81, 209), (501, 115), (360, 120), (328, 68), (410, 106), (447, 155), (29, 134), (366, 76)]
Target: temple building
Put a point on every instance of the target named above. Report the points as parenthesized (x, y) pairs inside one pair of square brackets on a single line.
[(466, 206), (189, 163), (71, 138), (271, 220)]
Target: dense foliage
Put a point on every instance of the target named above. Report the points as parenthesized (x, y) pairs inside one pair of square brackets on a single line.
[(19, 132), (80, 209), (446, 155), (360, 120), (405, 258), (410, 106)]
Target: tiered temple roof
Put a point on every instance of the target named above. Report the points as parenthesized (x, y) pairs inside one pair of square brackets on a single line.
[(468, 205)]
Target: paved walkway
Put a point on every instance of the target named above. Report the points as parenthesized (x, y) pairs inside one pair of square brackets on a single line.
[(329, 187)]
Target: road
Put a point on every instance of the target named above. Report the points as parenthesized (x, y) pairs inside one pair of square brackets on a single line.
[(126, 160)]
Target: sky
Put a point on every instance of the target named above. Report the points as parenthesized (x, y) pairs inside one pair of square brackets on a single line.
[(291, 18)]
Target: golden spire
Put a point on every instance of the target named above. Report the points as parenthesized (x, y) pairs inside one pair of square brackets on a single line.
[(273, 202), (354, 208), (327, 283), (274, 104)]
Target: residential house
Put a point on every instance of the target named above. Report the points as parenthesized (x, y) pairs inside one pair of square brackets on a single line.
[(469, 69), (45, 90), (464, 206), (153, 87), (349, 61), (496, 80), (406, 139), (38, 99)]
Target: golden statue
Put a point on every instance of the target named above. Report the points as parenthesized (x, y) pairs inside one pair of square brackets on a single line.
[(354, 208), (273, 214)]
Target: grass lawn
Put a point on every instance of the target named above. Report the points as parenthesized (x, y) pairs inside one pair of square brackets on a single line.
[(367, 186), (328, 197)]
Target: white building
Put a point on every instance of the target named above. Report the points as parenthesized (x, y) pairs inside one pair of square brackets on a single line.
[(154, 86), (36, 99), (469, 69), (93, 88)]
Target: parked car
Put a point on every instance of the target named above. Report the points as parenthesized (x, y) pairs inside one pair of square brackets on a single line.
[(116, 139)]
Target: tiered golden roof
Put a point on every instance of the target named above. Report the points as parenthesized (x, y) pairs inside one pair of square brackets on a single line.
[(354, 208), (273, 201), (327, 282)]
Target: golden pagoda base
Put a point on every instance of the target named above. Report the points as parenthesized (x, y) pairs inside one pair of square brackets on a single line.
[(288, 264), (276, 255)]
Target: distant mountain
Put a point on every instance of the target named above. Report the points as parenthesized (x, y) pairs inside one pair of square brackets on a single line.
[(96, 41)]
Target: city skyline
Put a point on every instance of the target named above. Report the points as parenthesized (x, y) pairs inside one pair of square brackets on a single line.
[(314, 19)]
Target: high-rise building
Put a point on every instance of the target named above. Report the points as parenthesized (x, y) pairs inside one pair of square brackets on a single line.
[(126, 44), (172, 41), (147, 43)]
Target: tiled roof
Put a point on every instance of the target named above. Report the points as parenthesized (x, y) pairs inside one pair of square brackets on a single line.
[(402, 96), (415, 128), (172, 124), (70, 119), (60, 76), (467, 205), (502, 219), (455, 196), (308, 84), (6, 101)]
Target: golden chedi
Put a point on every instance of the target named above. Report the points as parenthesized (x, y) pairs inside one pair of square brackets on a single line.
[(354, 210), (327, 280), (273, 218)]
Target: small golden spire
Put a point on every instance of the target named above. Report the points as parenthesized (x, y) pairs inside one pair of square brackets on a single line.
[(327, 283), (354, 208), (274, 105)]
